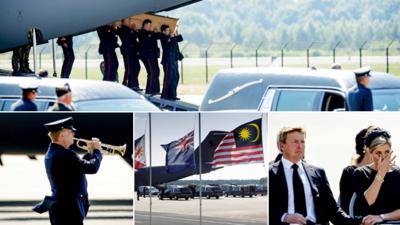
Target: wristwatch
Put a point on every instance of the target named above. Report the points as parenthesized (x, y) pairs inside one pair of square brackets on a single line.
[(382, 217)]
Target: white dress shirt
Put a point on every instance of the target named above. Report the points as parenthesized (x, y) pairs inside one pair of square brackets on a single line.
[(287, 167)]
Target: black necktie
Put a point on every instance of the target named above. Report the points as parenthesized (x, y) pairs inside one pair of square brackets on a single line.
[(298, 191)]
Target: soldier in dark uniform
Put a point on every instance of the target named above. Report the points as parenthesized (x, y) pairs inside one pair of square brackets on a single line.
[(25, 59), (20, 57), (360, 97), (170, 58), (20, 60), (15, 60), (149, 53), (26, 103), (69, 57), (130, 52), (108, 43), (69, 203), (64, 99)]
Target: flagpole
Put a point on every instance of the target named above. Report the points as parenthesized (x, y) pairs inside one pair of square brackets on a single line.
[(200, 171), (264, 119), (150, 171)]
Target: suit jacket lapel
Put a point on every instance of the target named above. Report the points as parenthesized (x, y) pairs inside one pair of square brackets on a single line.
[(310, 174), (281, 181)]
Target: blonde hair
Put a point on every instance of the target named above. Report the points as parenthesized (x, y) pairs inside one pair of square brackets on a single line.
[(287, 130), (54, 135), (379, 141)]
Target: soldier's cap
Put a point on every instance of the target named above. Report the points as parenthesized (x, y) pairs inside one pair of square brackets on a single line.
[(60, 91), (29, 86), (67, 123), (362, 71)]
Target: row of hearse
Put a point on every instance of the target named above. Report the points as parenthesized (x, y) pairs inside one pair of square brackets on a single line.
[(251, 89), (205, 191)]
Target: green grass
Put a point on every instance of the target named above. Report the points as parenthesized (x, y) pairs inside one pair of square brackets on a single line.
[(393, 69), (194, 76)]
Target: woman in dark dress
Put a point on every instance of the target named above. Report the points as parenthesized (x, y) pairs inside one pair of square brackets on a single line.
[(361, 158), (378, 185)]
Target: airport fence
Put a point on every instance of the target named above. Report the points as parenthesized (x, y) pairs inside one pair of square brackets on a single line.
[(201, 62)]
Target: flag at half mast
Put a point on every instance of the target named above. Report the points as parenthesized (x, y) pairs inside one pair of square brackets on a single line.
[(243, 145), (180, 154), (140, 157)]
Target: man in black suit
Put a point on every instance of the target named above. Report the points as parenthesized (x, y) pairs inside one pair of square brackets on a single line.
[(299, 192)]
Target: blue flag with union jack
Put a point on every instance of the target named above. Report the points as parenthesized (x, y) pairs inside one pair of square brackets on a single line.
[(180, 155)]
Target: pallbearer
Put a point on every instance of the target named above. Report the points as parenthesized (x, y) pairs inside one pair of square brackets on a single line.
[(130, 52), (170, 57), (69, 56), (149, 54), (66, 171), (108, 42)]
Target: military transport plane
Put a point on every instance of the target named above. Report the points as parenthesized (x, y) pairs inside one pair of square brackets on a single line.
[(24, 133), (160, 176), (58, 18)]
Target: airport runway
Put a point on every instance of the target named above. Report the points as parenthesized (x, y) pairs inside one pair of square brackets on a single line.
[(225, 211), (24, 183), (103, 213)]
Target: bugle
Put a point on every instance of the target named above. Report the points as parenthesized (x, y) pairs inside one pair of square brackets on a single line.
[(105, 148)]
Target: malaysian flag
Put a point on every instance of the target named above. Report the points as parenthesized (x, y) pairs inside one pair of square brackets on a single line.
[(240, 146), (180, 154), (140, 157)]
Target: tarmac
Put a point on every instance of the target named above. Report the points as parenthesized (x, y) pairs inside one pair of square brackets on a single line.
[(24, 183), (223, 211), (100, 213)]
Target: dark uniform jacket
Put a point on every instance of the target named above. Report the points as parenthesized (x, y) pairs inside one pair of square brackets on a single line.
[(24, 105), (108, 39), (59, 106), (66, 174), (148, 44), (360, 99), (170, 48), (66, 39), (326, 208), (129, 41)]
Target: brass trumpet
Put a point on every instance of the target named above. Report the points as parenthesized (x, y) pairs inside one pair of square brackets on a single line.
[(105, 148)]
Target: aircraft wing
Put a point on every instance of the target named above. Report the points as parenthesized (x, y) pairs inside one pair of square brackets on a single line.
[(159, 174), (56, 18), (24, 133)]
